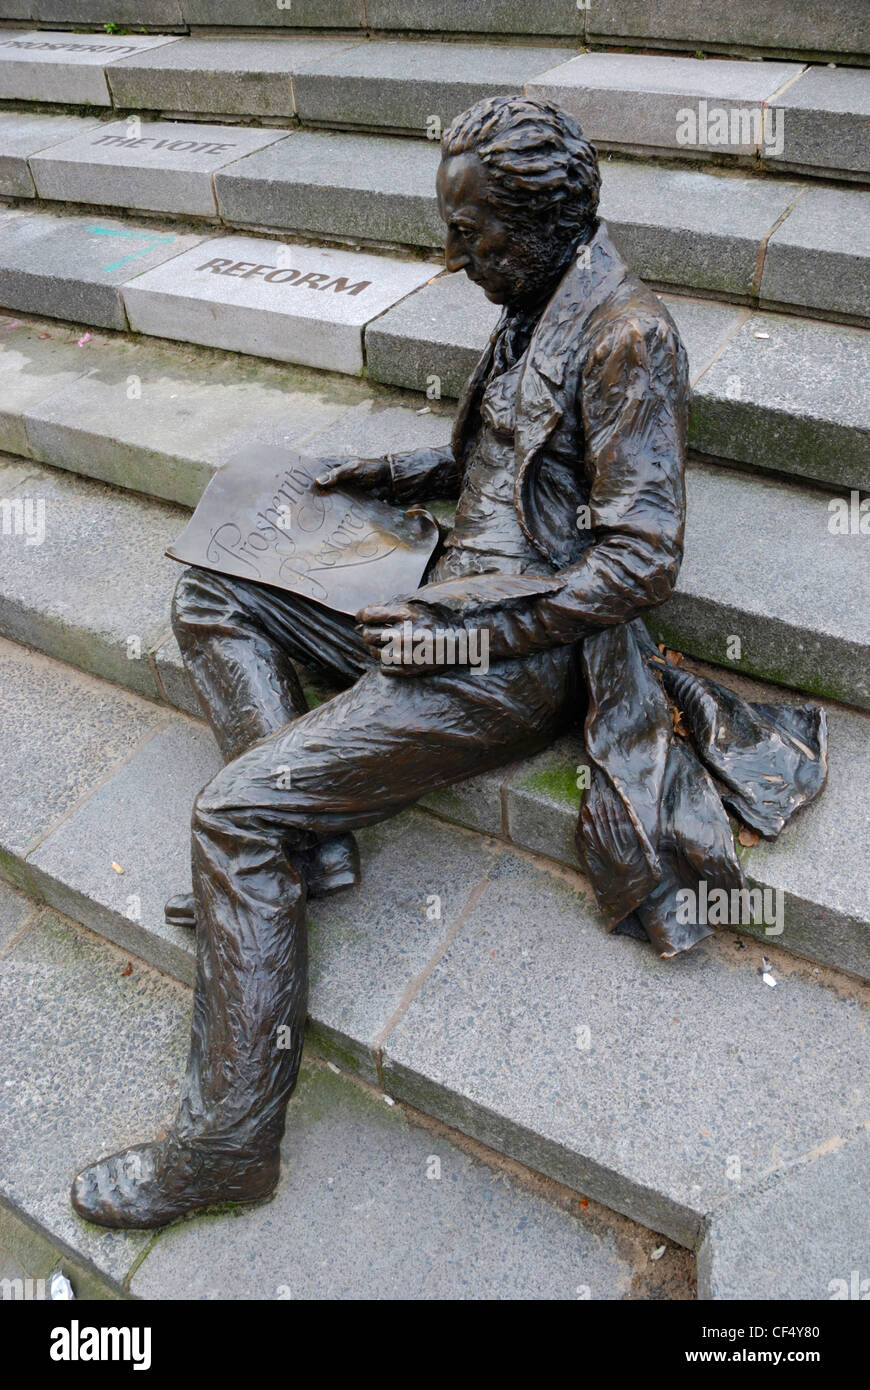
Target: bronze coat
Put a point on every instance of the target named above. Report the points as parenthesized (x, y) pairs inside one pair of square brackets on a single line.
[(601, 423)]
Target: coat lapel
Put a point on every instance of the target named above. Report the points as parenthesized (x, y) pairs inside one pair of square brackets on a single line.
[(463, 432), (593, 274)]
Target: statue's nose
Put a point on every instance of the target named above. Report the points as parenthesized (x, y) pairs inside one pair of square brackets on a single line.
[(455, 257)]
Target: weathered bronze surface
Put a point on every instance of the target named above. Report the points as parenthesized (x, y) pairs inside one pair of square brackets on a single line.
[(567, 461), (263, 518)]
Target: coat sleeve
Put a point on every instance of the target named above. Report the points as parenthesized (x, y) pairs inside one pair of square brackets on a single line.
[(634, 403), (633, 399), (422, 474)]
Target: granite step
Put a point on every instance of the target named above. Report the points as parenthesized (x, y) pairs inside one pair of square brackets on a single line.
[(788, 28), (63, 68), (745, 238), (375, 1201), (771, 392), (777, 115), (774, 114), (94, 589), (781, 27), (158, 418), (165, 15), (286, 76), (767, 561), (246, 294), (674, 1093)]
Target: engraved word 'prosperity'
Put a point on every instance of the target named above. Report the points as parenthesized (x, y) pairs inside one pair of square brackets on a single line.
[(349, 542)]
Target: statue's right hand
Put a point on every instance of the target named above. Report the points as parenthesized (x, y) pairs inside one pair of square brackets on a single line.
[(370, 475)]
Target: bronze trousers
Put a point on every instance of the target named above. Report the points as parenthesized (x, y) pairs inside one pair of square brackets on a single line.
[(294, 777)]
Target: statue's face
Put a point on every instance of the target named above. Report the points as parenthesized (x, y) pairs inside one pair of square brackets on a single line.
[(512, 263)]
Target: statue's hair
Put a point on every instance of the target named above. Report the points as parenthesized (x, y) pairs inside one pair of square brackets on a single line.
[(539, 161)]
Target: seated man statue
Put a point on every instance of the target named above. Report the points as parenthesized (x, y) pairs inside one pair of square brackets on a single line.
[(567, 460)]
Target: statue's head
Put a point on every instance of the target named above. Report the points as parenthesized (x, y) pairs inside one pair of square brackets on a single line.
[(518, 188)]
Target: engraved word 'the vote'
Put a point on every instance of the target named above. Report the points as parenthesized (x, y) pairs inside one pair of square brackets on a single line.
[(283, 275), (131, 142)]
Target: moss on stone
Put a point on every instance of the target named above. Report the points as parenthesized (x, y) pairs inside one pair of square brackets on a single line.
[(799, 682), (331, 1050), (558, 783)]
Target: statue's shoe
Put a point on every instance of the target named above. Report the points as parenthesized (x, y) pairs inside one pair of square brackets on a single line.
[(154, 1184), (328, 867)]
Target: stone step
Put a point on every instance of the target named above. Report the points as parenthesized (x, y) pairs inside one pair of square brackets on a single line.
[(824, 1199), (776, 115), (77, 265), (374, 1202), (92, 269), (65, 68), (384, 84), (781, 27), (751, 239), (770, 392), (144, 14), (671, 1092), (94, 589), (159, 418), (767, 561), (786, 27)]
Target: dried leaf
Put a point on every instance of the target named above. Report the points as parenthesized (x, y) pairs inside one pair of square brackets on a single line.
[(677, 720), (675, 658), (128, 968)]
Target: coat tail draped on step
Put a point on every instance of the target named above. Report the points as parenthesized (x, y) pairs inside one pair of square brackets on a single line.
[(654, 820)]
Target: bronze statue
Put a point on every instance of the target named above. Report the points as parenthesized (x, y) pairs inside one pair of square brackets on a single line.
[(567, 461)]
